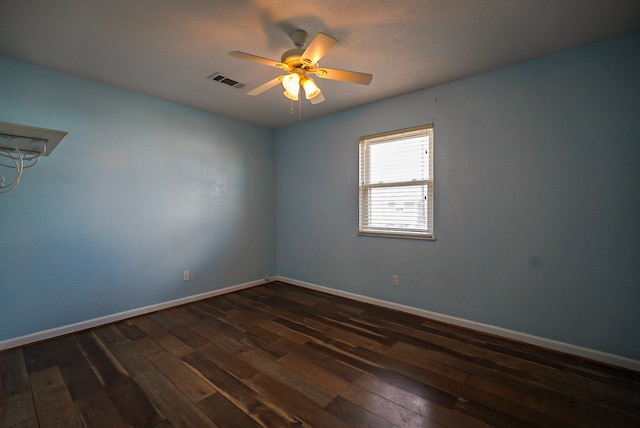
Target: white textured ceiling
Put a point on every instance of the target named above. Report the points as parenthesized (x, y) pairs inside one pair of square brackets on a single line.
[(167, 48)]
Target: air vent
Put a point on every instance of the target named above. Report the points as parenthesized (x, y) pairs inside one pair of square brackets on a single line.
[(217, 77)]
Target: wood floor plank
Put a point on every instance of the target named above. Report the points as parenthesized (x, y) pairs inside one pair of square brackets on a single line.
[(383, 324), (394, 317), (264, 340), (529, 375), (269, 366), (180, 317), (497, 414), (130, 330), (206, 331), (31, 423), (224, 413), (190, 337), (165, 320), (168, 341), (253, 304), (449, 350), (228, 360), (428, 410), (373, 330), (533, 372), (54, 404), (18, 408), (194, 387), (422, 364), (130, 400), (38, 357), (307, 368), (286, 333), (240, 394), (171, 402), (253, 336), (75, 369), (103, 364), (246, 306), (384, 409), (402, 380), (147, 346), (345, 323), (624, 396), (284, 310), (357, 339), (220, 305), (327, 362), (135, 406), (457, 346), (97, 410), (566, 409), (110, 334), (354, 415), (130, 358), (278, 355), (220, 322), (301, 328), (164, 424), (294, 404), (614, 417), (15, 378)]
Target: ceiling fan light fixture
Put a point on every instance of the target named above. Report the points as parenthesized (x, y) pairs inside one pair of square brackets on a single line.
[(311, 90), (299, 62), (291, 84), (291, 96)]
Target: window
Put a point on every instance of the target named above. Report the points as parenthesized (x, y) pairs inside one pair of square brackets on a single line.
[(396, 183)]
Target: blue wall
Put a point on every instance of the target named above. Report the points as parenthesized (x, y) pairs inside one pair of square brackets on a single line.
[(537, 200), (140, 190)]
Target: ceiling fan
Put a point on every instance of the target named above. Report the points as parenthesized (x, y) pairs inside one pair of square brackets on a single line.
[(301, 62)]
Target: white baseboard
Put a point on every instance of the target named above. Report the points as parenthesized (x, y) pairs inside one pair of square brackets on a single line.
[(568, 348), (555, 345), (95, 322)]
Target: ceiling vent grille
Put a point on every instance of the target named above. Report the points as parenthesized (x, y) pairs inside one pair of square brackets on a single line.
[(217, 77)]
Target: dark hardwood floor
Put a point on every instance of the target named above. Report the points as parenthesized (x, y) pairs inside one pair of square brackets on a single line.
[(282, 356)]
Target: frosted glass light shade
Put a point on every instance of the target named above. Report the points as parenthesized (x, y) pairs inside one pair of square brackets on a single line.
[(311, 90), (291, 83)]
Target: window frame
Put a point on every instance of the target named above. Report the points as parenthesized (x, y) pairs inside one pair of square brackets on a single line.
[(365, 187)]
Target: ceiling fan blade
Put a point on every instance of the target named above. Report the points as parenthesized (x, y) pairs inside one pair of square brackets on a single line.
[(265, 86), (344, 75), (319, 46), (258, 59), (317, 99)]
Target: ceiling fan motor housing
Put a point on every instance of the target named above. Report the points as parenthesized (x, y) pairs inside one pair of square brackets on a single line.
[(292, 57), (299, 37)]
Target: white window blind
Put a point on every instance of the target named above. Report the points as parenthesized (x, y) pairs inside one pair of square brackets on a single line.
[(396, 183)]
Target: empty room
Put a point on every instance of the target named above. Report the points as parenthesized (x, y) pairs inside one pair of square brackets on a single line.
[(267, 213)]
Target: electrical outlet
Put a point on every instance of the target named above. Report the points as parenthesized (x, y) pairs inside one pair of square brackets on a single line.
[(185, 275), (395, 280)]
